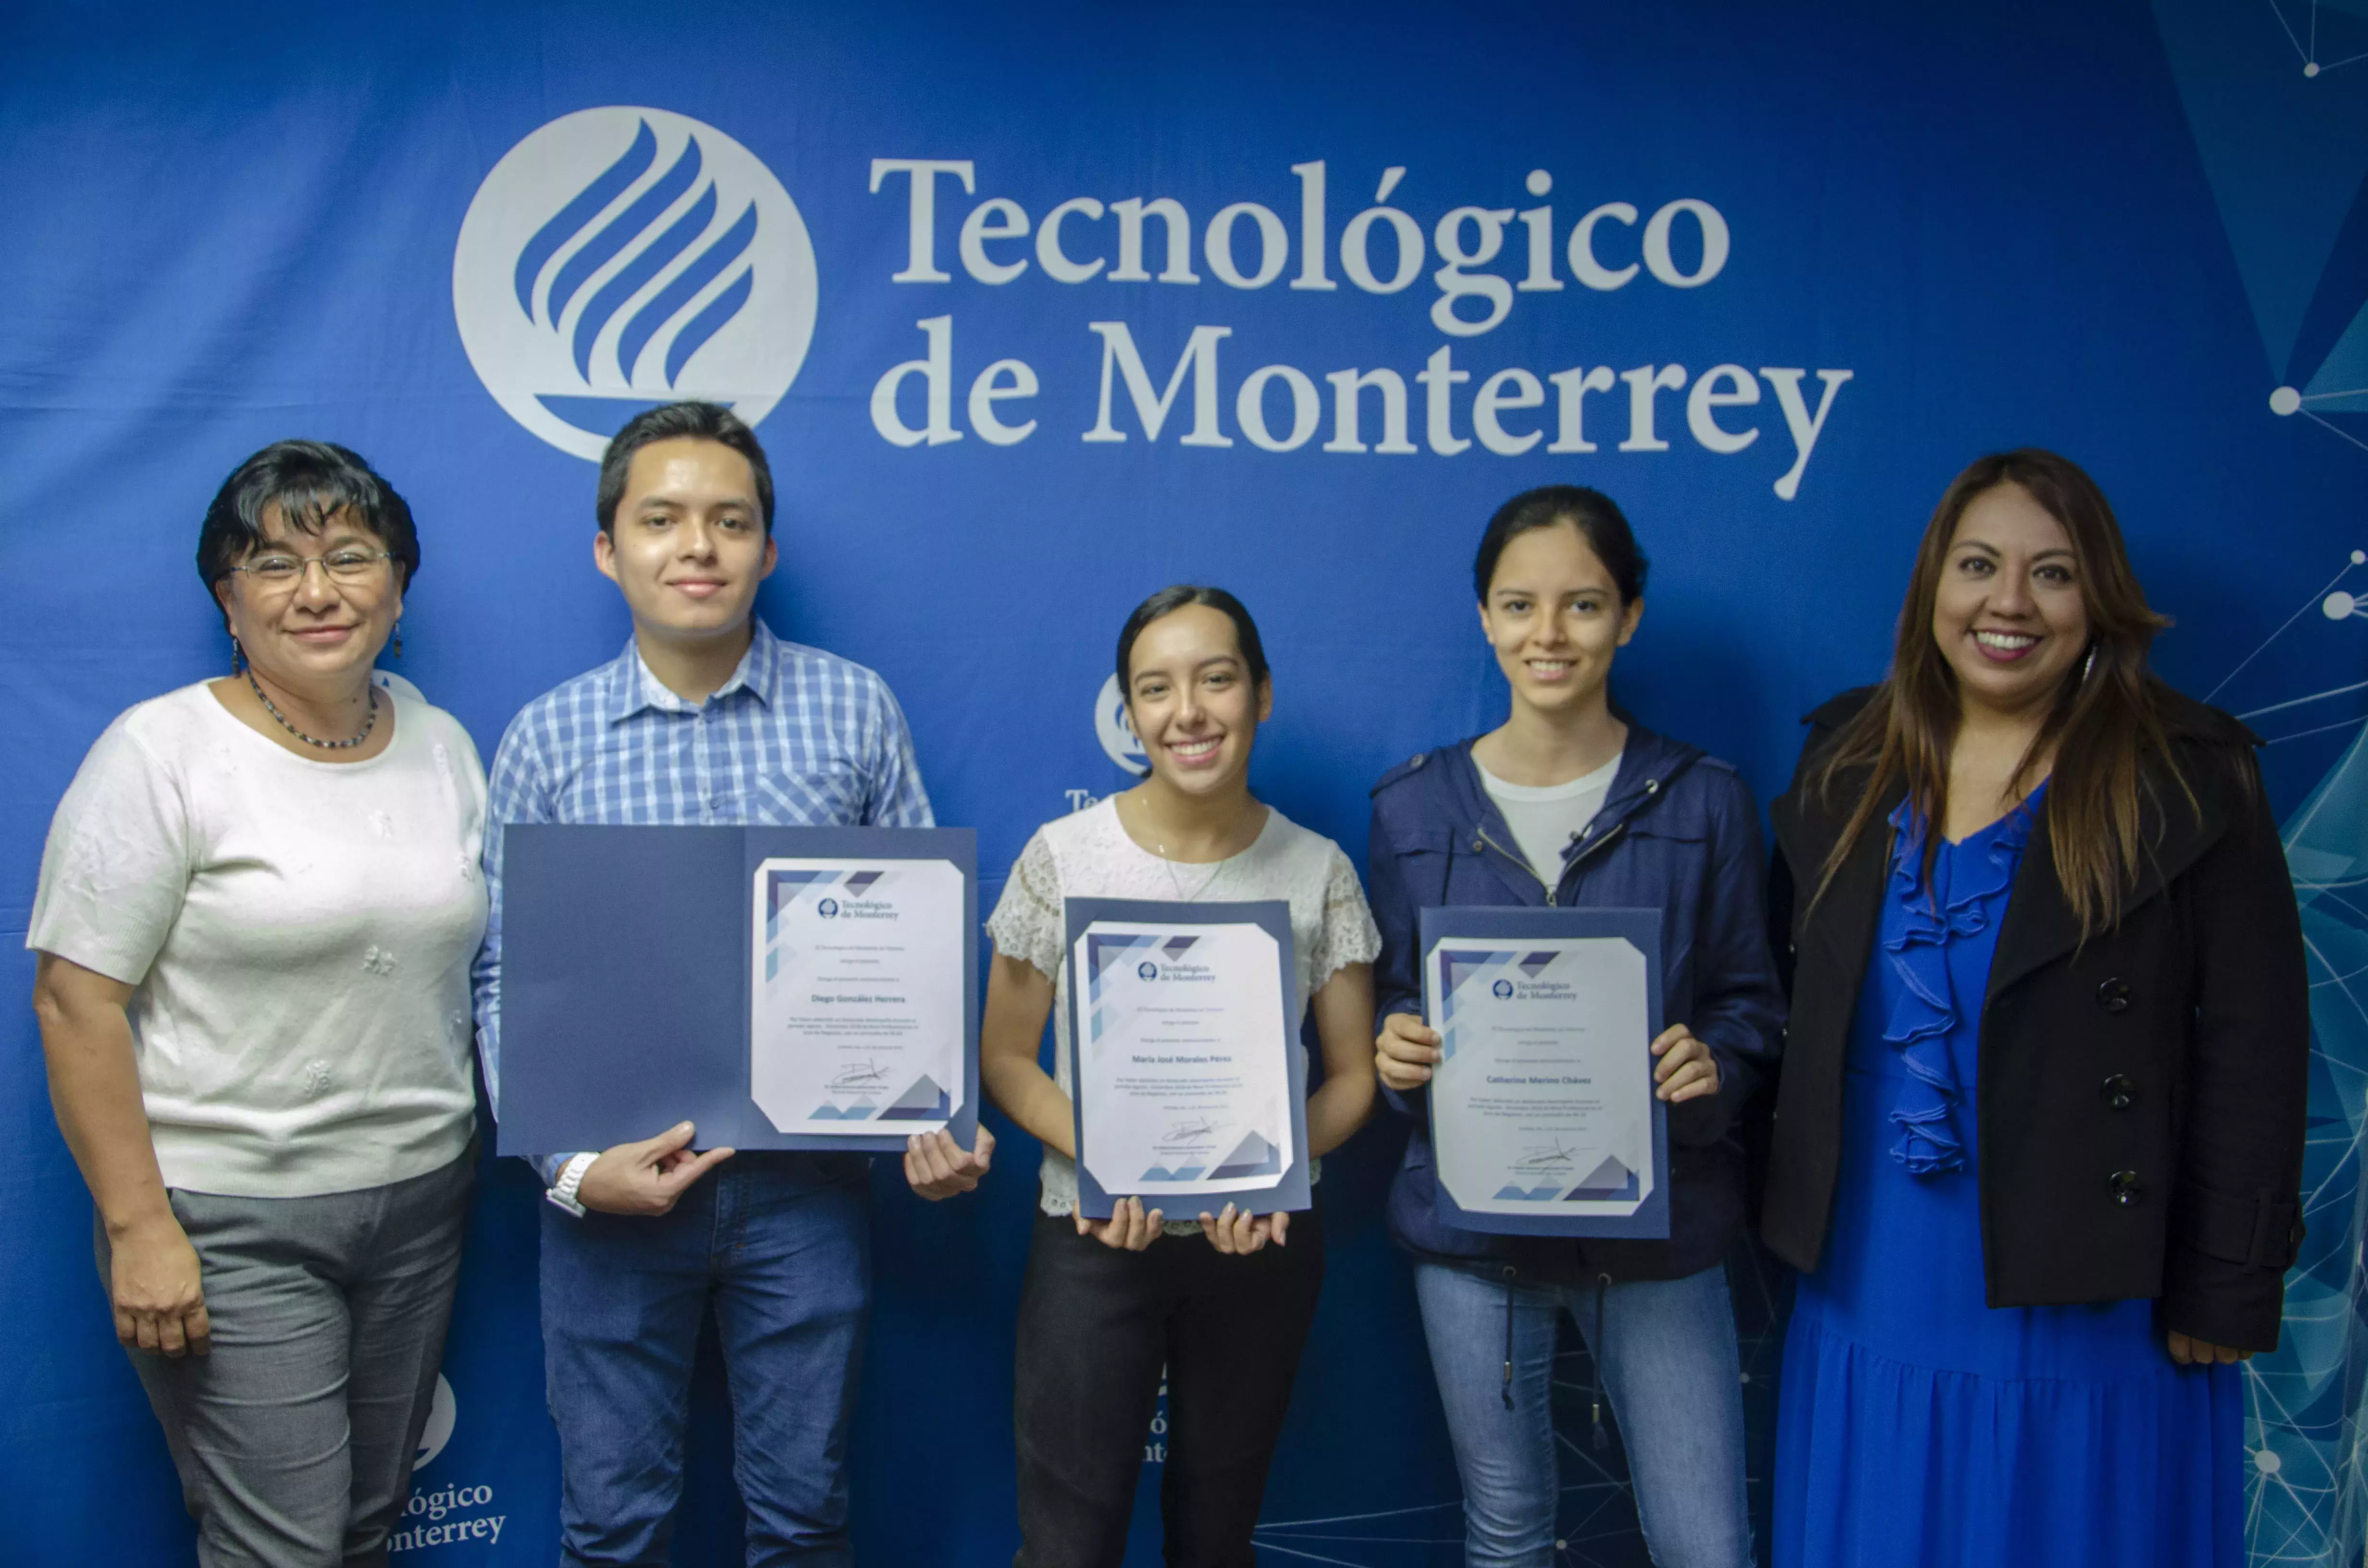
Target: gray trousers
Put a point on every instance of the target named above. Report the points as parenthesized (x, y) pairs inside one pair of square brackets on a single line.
[(295, 1437)]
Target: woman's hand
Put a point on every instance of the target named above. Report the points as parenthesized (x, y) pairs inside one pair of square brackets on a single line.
[(2189, 1351), (159, 1299), (1688, 1070), (1128, 1228), (1241, 1232), (1404, 1051), (936, 1166), (153, 1282)]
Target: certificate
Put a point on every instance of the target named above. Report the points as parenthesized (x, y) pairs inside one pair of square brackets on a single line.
[(1187, 1079), (856, 995), (783, 988), (1543, 1116)]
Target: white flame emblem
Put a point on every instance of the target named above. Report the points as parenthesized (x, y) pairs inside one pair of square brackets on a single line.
[(1116, 730), (621, 257), (442, 1413)]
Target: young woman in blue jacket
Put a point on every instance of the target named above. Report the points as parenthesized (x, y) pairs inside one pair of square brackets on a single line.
[(1571, 803)]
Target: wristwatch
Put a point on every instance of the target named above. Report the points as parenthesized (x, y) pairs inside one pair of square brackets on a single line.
[(571, 1176)]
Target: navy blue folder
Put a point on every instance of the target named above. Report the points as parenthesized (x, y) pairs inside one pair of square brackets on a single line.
[(625, 1002)]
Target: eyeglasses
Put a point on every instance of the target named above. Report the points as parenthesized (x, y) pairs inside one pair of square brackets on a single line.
[(351, 568)]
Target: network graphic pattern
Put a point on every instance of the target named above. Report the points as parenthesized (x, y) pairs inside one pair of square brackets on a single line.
[(2281, 120), (2305, 37), (2306, 1496), (2282, 129), (2340, 382)]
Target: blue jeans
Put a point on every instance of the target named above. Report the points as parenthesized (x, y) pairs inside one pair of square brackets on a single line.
[(1671, 1366), (781, 1244)]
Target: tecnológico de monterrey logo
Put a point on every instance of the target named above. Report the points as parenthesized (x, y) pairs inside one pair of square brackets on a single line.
[(621, 257)]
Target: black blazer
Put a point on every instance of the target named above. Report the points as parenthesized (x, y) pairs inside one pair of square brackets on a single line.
[(2141, 1096)]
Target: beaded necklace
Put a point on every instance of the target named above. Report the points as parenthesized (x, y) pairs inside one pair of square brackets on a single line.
[(368, 724)]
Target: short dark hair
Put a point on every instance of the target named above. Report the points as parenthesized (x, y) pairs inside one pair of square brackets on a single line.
[(1167, 601), (309, 481), (680, 421), (1595, 516)]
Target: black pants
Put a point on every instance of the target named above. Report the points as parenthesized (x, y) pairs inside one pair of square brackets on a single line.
[(1095, 1326)]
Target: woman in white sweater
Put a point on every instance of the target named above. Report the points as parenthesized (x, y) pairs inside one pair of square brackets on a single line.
[(257, 910)]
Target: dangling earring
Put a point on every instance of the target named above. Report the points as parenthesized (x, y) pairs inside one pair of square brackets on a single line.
[(2089, 666), (398, 638), (236, 653)]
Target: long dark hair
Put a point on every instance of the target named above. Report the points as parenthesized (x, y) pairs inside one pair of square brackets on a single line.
[(2104, 727)]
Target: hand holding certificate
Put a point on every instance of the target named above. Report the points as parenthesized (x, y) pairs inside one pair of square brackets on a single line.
[(1188, 1085), (1543, 1116)]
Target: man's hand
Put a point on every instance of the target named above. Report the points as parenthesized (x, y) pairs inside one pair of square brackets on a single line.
[(159, 1301), (648, 1178), (936, 1166)]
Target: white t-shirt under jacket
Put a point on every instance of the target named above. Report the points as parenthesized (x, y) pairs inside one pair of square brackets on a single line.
[(1547, 819)]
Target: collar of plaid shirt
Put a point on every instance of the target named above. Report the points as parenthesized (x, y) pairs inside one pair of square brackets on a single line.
[(636, 688)]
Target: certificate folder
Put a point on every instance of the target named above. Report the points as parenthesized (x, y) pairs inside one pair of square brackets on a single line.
[(627, 964), (1543, 1116), (1220, 1157)]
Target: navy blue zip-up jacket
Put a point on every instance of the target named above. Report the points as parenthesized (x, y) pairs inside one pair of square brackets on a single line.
[(1678, 833)]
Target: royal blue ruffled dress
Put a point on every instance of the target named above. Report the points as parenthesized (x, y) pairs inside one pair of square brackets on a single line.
[(1917, 1426)]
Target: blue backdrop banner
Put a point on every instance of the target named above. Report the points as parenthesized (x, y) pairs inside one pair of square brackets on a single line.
[(1040, 307)]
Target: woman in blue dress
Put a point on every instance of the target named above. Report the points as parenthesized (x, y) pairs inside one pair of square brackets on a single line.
[(2038, 1143)]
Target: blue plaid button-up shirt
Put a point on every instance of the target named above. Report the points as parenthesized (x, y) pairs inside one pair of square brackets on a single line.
[(796, 738)]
